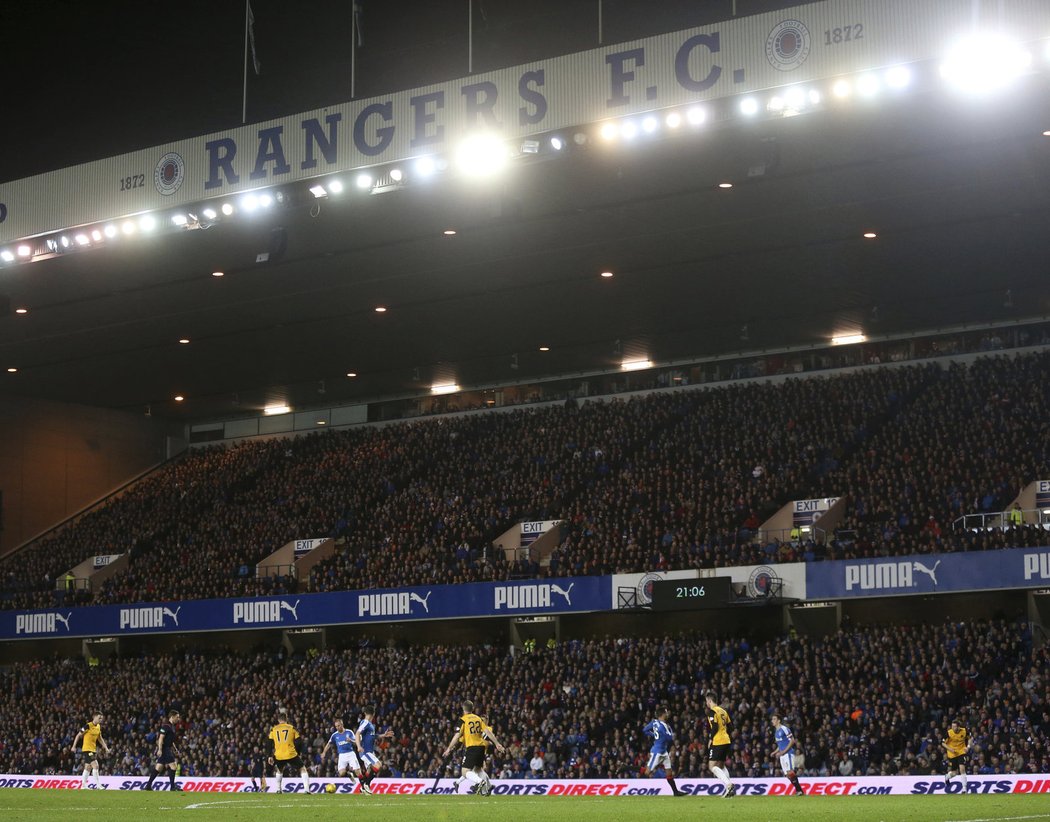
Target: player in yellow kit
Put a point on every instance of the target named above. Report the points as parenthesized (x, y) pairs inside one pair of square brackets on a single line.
[(718, 750), (472, 732), (956, 747), (92, 736), (284, 753)]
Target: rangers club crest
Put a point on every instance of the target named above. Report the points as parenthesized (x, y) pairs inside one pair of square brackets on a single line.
[(788, 46), (169, 173)]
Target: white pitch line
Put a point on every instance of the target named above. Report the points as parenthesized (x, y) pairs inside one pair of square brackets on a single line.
[(1004, 818), (305, 802)]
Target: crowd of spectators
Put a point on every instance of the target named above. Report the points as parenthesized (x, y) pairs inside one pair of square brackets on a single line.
[(674, 479), (866, 700)]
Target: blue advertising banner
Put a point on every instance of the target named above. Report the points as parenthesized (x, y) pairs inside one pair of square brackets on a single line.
[(479, 599), (929, 574)]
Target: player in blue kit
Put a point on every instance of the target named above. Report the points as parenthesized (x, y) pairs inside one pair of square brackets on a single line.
[(365, 740), (343, 740), (786, 747), (659, 753)]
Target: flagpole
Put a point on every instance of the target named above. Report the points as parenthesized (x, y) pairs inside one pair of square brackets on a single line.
[(244, 97)]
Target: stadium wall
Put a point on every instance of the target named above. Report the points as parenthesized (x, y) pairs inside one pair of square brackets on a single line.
[(57, 459)]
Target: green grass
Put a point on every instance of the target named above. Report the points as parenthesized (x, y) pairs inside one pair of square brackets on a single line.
[(63, 806)]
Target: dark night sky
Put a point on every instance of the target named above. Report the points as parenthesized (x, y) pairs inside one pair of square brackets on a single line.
[(85, 80)]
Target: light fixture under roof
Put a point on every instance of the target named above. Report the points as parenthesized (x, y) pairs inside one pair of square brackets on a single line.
[(12, 370), (364, 181), (725, 185), (636, 365), (847, 339), (147, 222), (7, 256), (218, 273), (545, 348), (24, 251), (449, 232), (351, 373), (209, 213), (397, 175), (179, 398), (870, 235), (184, 341), (380, 309), (444, 388), (274, 410), (21, 310), (227, 209)]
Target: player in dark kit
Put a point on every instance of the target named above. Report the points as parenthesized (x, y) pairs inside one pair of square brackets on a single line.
[(167, 753)]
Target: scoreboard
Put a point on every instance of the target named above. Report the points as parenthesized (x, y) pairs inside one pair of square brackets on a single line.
[(691, 594)]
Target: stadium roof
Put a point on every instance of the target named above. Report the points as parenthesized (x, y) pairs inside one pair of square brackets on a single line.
[(958, 192)]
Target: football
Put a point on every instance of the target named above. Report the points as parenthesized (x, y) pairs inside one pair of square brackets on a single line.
[(329, 788)]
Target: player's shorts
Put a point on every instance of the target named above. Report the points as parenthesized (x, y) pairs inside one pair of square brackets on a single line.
[(348, 761), (167, 757), (282, 765), (258, 769), (89, 756), (658, 759), (787, 762), (474, 757), (718, 753), (369, 760), (957, 761)]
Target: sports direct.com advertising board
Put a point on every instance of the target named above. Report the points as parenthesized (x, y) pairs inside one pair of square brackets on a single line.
[(817, 786)]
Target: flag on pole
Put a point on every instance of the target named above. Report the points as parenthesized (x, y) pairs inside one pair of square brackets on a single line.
[(251, 37)]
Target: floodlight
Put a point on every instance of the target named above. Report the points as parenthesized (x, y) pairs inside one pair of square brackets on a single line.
[(847, 339), (868, 85), (444, 388), (396, 175), (674, 120), (209, 214), (636, 365), (318, 191), (842, 89), (363, 181), (82, 239), (749, 106), (898, 77), (649, 125), (227, 209), (7, 256), (557, 143), (24, 251), (985, 65), (629, 129), (265, 200), (249, 202), (179, 219), (425, 166), (147, 222), (481, 155), (696, 115), (609, 131)]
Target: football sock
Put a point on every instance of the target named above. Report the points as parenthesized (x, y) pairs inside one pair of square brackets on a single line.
[(279, 778), (962, 778), (171, 778), (470, 776), (152, 778), (83, 781), (98, 782), (674, 787), (306, 780), (723, 777)]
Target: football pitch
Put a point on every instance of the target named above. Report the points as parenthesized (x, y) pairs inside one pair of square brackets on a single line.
[(63, 805)]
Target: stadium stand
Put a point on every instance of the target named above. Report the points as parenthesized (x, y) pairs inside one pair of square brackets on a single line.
[(673, 479), (867, 700)]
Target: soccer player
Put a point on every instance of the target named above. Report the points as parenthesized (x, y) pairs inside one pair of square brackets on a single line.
[(472, 732), (284, 751), (344, 744), (957, 746), (659, 755), (259, 764), (718, 750), (365, 740), (92, 735), (786, 747), (167, 753)]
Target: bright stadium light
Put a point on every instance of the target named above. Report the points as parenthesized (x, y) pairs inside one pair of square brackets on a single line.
[(868, 85), (425, 166), (847, 339), (609, 131), (227, 209), (147, 222), (629, 129), (696, 116), (898, 77), (336, 186), (557, 143), (110, 231), (842, 89), (96, 236), (444, 388), (674, 120), (364, 181), (249, 202), (265, 200), (7, 256), (749, 106), (209, 214), (396, 175), (650, 124), (318, 191), (987, 64), (274, 410), (179, 219), (481, 155), (82, 239), (128, 227), (776, 103), (24, 251), (636, 365)]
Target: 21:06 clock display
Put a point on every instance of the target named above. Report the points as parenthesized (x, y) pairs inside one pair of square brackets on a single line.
[(690, 594)]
